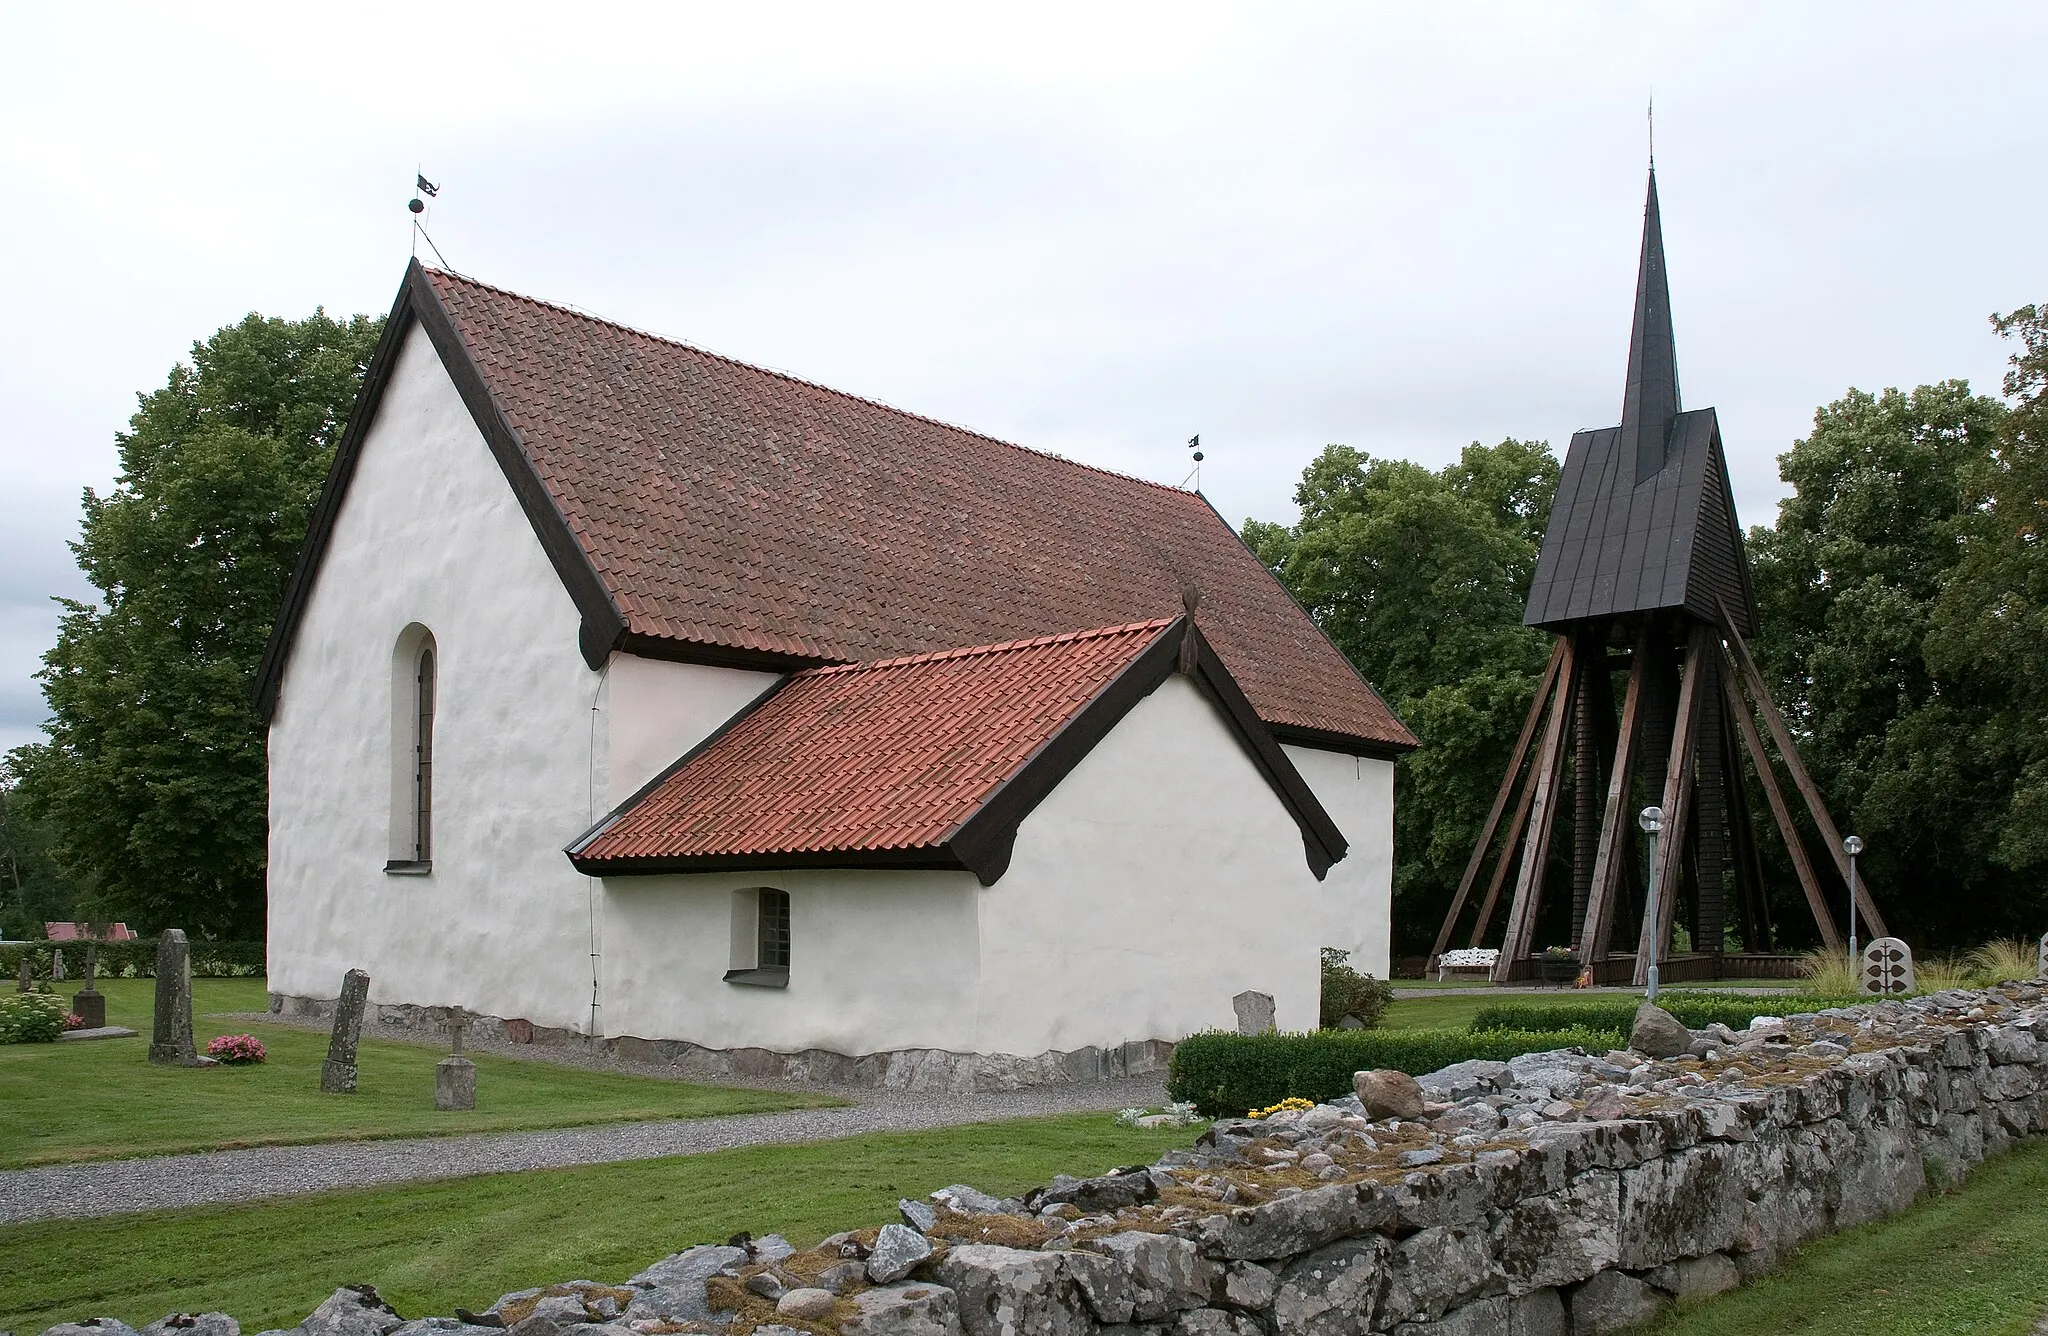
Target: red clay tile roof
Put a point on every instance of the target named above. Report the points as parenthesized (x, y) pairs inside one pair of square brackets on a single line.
[(890, 755), (734, 507)]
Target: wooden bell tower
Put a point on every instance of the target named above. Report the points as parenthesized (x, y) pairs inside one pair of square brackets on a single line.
[(1642, 574)]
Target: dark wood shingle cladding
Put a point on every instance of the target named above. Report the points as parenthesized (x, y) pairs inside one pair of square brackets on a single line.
[(1644, 519)]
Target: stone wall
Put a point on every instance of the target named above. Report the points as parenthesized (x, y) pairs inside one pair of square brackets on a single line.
[(898, 1069), (1562, 1194)]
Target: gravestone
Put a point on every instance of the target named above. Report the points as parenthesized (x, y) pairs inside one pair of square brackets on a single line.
[(1254, 1012), (170, 1043), (455, 1075), (26, 983), (338, 1073), (88, 1003), (1887, 967), (2041, 960), (57, 965)]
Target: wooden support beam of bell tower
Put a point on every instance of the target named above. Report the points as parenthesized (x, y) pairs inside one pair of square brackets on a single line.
[(1607, 859), (1677, 804), (1544, 785), (1492, 822), (1807, 788)]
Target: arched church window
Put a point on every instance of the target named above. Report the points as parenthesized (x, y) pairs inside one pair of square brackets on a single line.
[(415, 694)]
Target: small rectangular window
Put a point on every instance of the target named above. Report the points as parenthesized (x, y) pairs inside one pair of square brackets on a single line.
[(760, 938)]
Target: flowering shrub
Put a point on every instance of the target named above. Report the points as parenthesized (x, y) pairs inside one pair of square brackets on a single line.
[(30, 1018), (236, 1049), (1292, 1102), (73, 1021)]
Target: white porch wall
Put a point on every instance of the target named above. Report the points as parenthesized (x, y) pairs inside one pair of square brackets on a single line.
[(1358, 895), (878, 960), (431, 532), (1159, 880)]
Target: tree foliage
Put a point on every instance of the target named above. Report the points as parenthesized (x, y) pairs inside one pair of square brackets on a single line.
[(1420, 577), (153, 772), (32, 891)]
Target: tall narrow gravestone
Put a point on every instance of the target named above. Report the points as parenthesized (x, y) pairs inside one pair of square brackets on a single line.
[(455, 1075), (338, 1073), (170, 1043)]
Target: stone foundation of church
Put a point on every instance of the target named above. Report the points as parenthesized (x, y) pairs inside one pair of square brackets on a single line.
[(932, 1069)]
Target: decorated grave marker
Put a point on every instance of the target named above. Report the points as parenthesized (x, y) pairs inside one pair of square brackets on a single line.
[(1887, 967)]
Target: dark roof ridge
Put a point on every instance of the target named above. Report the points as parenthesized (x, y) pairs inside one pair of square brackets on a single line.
[(999, 647), (793, 379)]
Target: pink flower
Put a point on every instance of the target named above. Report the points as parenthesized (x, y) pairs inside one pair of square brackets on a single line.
[(234, 1049), (73, 1021)]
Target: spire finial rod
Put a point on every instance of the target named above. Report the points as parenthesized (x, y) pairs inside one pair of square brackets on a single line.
[(1651, 118)]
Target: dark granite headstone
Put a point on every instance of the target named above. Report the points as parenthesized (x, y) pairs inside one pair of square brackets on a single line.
[(338, 1073), (170, 1041), (88, 1004)]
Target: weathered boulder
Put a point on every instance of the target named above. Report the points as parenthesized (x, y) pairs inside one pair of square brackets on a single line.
[(969, 1201), (1696, 1277), (1333, 1291), (919, 1215), (352, 1310), (1461, 1080), (1010, 1292), (903, 1310), (90, 1326), (673, 1289), (1168, 1274), (1288, 1226), (807, 1304), (897, 1251), (1107, 1192), (1658, 1034), (194, 1324), (1613, 1301), (1387, 1093), (1538, 1313)]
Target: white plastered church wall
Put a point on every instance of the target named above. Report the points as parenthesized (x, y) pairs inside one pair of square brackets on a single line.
[(1358, 895), (1160, 879), (430, 532)]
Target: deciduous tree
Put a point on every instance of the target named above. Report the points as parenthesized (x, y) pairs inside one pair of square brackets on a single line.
[(153, 772)]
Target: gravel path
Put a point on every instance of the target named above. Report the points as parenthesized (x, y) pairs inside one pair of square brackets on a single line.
[(108, 1187)]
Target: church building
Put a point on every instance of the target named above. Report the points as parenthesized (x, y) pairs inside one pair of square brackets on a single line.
[(628, 691)]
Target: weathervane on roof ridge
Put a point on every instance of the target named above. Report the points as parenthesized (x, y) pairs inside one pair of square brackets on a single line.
[(417, 206), (1195, 474)]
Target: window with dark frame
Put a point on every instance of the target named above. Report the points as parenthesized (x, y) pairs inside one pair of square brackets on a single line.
[(423, 758), (772, 923)]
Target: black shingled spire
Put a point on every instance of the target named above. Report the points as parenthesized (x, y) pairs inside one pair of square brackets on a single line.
[(1651, 401)]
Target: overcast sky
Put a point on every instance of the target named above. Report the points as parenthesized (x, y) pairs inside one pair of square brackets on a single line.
[(1094, 229)]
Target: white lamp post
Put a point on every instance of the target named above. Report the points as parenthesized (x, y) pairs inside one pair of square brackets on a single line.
[(1652, 821), (1852, 846)]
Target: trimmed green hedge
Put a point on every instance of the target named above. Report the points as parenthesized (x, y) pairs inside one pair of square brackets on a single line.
[(1225, 1074), (1693, 1009), (135, 959)]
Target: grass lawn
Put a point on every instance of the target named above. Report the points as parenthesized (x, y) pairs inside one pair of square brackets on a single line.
[(430, 1247), (1456, 1010), (1970, 1263), (102, 1099)]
